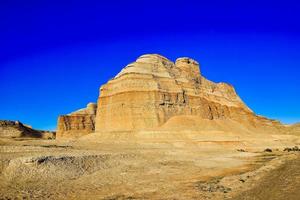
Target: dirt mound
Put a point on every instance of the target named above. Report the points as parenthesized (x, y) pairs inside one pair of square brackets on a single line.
[(294, 129), (60, 166), (49, 167), (195, 123)]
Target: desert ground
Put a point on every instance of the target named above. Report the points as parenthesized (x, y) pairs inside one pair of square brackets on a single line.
[(149, 165)]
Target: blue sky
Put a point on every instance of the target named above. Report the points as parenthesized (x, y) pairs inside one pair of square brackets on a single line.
[(54, 55)]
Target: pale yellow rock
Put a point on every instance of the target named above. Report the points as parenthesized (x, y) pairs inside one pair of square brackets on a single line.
[(16, 129), (154, 93), (78, 123), (150, 91)]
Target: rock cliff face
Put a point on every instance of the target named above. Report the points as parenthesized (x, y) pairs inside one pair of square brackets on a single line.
[(154, 93), (15, 129), (152, 90), (78, 123)]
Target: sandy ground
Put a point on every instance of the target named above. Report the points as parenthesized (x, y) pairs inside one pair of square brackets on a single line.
[(207, 166), (282, 183)]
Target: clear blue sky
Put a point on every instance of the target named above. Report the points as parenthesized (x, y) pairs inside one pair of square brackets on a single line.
[(54, 56)]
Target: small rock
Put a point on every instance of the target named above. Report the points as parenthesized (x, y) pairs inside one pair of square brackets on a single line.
[(295, 148), (242, 180), (268, 150)]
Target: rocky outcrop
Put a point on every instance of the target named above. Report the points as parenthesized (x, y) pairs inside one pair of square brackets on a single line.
[(152, 90), (15, 129), (78, 123)]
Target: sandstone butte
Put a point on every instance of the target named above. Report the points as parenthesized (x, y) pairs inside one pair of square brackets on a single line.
[(154, 93)]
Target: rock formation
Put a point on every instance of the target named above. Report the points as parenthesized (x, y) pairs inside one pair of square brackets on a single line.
[(15, 129), (152, 90), (78, 123), (149, 92)]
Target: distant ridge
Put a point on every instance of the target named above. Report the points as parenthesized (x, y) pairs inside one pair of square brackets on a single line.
[(15, 129)]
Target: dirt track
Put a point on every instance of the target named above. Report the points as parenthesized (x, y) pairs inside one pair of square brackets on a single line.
[(280, 184)]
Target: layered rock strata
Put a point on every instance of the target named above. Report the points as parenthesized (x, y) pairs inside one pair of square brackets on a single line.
[(16, 129), (78, 123), (152, 90)]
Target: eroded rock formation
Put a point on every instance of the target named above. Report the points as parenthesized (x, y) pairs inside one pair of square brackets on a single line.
[(152, 90), (78, 123), (15, 129)]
